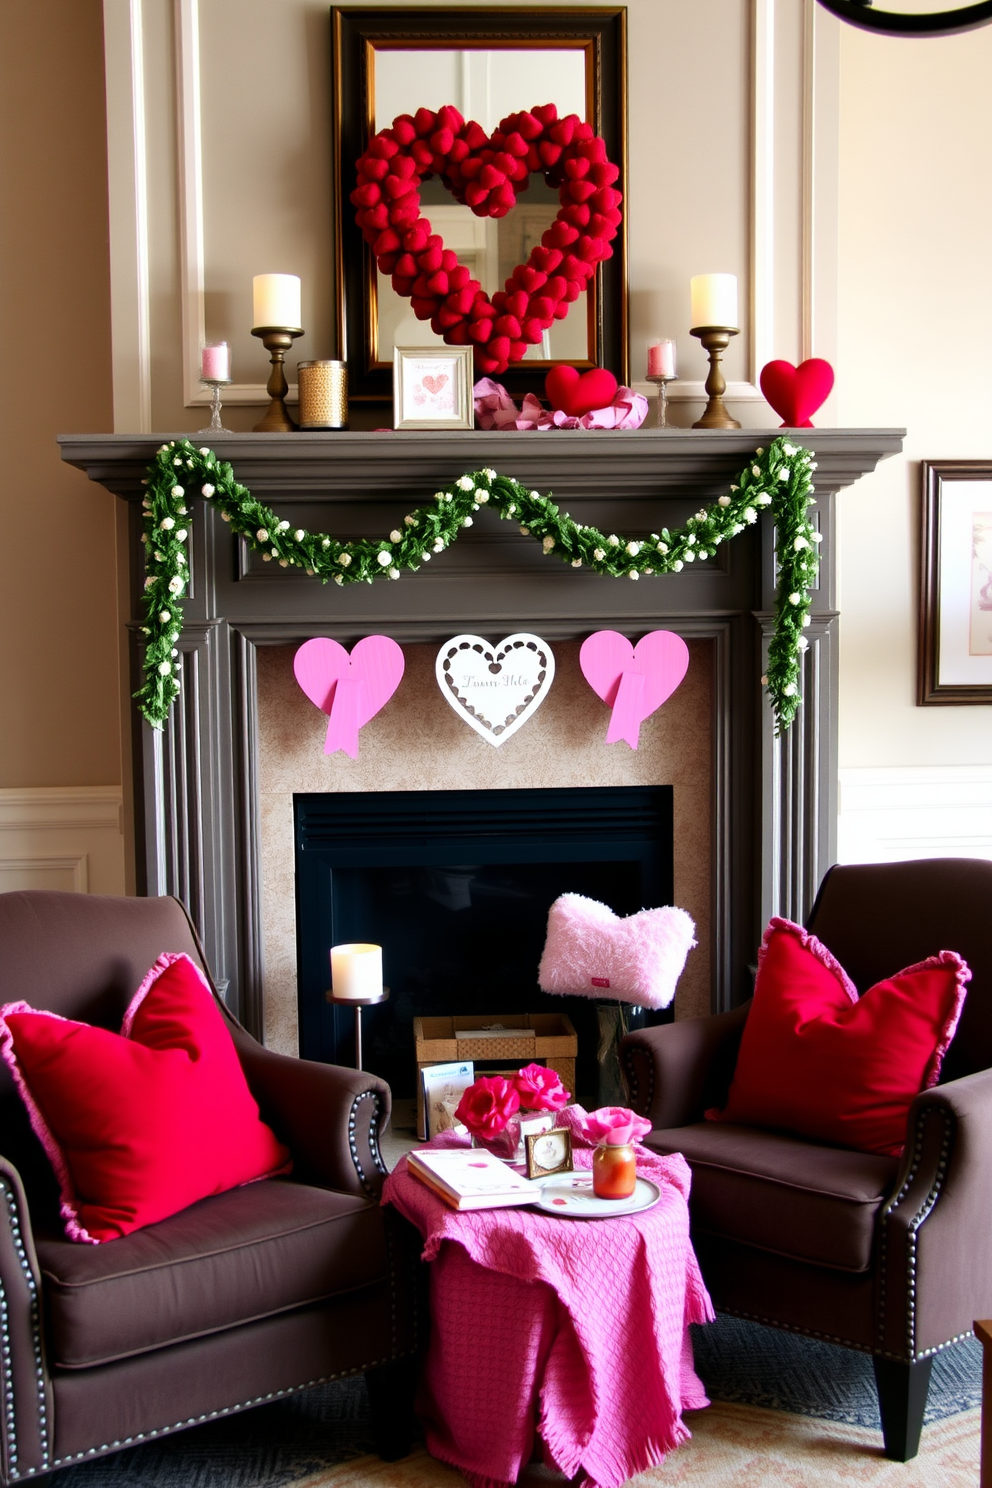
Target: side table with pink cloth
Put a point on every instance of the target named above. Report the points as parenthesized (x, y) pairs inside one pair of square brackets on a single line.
[(576, 1327)]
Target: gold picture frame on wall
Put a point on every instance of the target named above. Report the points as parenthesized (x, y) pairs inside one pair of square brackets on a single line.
[(955, 625)]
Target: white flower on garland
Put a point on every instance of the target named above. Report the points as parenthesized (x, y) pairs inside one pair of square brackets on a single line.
[(177, 490), (598, 554), (299, 534), (633, 548), (723, 501), (164, 668), (345, 560), (283, 527), (384, 558), (167, 524), (465, 483), (208, 490), (177, 584), (395, 536), (262, 534), (547, 544)]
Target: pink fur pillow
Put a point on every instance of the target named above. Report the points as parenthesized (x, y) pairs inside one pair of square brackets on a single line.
[(591, 952)]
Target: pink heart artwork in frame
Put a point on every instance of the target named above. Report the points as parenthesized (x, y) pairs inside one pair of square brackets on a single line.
[(633, 680), (351, 689)]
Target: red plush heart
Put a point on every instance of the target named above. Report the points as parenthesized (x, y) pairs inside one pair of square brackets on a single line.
[(796, 393), (578, 393), (485, 173)]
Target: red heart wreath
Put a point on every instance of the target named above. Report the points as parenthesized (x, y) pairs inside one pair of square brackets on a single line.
[(485, 173)]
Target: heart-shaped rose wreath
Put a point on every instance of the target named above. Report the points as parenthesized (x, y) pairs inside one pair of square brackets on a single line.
[(486, 173)]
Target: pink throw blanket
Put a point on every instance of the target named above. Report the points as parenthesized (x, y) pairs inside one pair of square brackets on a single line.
[(577, 1325)]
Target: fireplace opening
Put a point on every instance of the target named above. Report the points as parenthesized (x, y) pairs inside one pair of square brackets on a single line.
[(456, 886)]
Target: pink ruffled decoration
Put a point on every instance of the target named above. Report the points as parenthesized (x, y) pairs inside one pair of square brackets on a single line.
[(615, 1125), (495, 409)]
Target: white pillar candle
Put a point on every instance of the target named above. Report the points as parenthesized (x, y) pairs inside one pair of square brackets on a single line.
[(714, 301), (661, 359), (215, 362), (276, 300), (356, 970)]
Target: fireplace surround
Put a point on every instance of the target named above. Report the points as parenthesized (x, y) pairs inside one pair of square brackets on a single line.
[(196, 783)]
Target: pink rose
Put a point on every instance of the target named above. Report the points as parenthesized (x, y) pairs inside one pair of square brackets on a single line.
[(487, 1106), (615, 1125), (540, 1089)]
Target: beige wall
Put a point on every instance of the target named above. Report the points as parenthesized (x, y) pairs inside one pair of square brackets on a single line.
[(58, 603), (915, 325), (911, 122)]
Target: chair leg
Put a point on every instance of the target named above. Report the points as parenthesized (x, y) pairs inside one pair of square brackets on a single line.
[(391, 1389), (902, 1398)]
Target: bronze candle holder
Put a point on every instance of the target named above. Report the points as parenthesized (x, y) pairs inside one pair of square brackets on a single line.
[(277, 340), (715, 340)]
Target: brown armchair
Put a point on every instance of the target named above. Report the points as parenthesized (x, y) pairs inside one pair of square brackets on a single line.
[(241, 1298), (889, 1256)]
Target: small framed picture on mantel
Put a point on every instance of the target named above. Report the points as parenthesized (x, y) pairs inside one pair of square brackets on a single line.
[(955, 646), (432, 387)]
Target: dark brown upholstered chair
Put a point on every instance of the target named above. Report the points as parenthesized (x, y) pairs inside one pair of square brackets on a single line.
[(892, 1257), (241, 1298)]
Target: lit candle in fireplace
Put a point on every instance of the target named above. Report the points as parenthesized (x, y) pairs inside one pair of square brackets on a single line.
[(356, 971)]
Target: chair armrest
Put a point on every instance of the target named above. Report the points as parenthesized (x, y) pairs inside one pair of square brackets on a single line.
[(27, 1423), (934, 1238), (329, 1117), (675, 1071)]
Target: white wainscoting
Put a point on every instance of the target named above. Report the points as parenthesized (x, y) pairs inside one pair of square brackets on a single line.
[(62, 837), (915, 811)]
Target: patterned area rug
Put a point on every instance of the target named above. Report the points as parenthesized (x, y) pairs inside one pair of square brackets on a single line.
[(759, 1379)]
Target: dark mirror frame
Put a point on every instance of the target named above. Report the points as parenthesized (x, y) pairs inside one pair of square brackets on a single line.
[(354, 31)]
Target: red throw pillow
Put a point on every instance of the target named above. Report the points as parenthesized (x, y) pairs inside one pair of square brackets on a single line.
[(141, 1123), (817, 1059)]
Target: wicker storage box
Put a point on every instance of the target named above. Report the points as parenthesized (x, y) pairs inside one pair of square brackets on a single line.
[(550, 1039)]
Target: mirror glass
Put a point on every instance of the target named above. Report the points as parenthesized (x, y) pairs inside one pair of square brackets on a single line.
[(488, 61), (484, 85)]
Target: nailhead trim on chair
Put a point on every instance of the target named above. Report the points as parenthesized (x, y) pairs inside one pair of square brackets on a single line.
[(373, 1138), (914, 1225), (10, 1421), (628, 1072), (229, 1410)]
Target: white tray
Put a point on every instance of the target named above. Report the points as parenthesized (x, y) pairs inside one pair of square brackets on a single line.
[(570, 1196)]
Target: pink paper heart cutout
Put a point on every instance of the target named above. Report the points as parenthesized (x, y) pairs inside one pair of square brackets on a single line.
[(350, 689), (633, 680), (796, 393)]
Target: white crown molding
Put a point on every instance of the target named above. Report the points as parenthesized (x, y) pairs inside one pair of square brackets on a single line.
[(890, 813), (130, 306)]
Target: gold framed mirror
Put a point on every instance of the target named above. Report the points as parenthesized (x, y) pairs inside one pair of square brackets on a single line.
[(487, 63)]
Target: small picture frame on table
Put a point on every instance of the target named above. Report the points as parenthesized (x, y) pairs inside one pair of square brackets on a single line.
[(432, 387), (955, 632), (549, 1152)]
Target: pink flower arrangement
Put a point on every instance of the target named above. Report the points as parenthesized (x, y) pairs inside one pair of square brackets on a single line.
[(540, 1089), (615, 1125), (488, 1105)]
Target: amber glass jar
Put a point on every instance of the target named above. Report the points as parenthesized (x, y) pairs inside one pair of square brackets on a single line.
[(614, 1170)]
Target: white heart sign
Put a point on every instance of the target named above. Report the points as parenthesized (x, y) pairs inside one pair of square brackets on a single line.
[(495, 688)]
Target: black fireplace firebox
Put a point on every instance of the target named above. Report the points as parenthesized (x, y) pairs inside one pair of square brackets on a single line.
[(456, 886)]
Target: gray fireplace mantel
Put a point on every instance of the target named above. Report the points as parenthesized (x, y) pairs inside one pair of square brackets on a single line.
[(196, 790)]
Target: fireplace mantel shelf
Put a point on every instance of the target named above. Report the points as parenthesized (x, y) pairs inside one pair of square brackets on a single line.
[(639, 463), (197, 794)]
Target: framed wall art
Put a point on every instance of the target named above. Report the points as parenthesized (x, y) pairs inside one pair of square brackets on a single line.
[(432, 387), (955, 645)]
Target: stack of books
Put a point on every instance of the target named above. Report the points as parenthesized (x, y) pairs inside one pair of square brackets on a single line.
[(471, 1178)]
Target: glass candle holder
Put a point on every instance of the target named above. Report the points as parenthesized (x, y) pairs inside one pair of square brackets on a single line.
[(614, 1170)]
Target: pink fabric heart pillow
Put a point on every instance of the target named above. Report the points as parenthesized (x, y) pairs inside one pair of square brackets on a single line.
[(591, 952), (140, 1124)]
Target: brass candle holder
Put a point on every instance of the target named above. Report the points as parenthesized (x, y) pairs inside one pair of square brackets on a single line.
[(277, 340), (661, 414), (715, 340)]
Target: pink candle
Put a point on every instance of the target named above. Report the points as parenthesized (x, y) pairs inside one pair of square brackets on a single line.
[(661, 359), (215, 363)]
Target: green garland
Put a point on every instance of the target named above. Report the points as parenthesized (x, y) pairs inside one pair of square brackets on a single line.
[(777, 478)]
